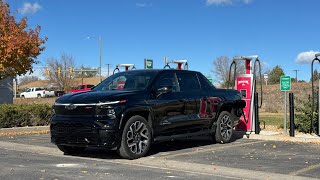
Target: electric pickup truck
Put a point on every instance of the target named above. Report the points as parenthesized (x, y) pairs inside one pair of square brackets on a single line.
[(148, 106)]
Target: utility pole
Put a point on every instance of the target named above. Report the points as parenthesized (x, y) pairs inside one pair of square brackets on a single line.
[(108, 67), (100, 41), (296, 70)]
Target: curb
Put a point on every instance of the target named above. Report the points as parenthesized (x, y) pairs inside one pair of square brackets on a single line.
[(24, 129), (284, 138)]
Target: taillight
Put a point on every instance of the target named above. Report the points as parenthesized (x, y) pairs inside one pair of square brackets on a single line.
[(44, 92)]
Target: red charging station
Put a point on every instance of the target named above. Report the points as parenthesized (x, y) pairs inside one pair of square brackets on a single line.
[(246, 84), (126, 67), (181, 64)]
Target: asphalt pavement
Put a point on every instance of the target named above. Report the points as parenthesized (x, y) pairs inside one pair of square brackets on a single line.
[(34, 157)]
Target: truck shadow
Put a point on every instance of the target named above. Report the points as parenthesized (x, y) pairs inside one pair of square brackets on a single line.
[(161, 147)]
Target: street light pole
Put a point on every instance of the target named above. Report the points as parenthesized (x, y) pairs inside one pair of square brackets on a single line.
[(100, 42)]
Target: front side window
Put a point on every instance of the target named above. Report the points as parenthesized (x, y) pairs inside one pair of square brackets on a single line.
[(80, 87), (168, 79), (128, 80)]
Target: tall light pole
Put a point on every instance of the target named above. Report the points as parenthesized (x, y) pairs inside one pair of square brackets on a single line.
[(100, 62), (100, 42)]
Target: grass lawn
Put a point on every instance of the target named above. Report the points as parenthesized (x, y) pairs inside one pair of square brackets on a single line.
[(273, 119)]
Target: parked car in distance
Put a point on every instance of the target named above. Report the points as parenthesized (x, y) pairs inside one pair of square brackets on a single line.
[(81, 88), (36, 92), (130, 110)]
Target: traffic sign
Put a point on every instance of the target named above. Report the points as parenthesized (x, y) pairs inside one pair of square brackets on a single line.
[(148, 63), (285, 83)]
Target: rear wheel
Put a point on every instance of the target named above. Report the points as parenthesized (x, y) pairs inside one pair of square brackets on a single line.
[(71, 149), (38, 95), (224, 129), (136, 138)]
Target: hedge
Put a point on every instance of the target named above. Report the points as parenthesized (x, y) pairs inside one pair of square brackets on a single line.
[(20, 115)]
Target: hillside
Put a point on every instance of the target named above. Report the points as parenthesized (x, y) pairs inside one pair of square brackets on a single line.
[(273, 98)]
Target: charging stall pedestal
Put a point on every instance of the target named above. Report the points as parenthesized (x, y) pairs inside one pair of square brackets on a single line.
[(181, 64), (246, 84), (126, 66)]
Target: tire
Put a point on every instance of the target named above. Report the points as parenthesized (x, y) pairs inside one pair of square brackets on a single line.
[(224, 129), (136, 138), (70, 149), (22, 97)]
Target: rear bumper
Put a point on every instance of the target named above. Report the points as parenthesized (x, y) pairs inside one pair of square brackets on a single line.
[(82, 132)]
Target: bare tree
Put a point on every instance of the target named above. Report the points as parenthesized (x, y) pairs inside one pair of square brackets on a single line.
[(28, 79), (86, 72), (63, 79), (221, 68)]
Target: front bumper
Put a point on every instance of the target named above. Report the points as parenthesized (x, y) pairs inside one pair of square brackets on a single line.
[(83, 132)]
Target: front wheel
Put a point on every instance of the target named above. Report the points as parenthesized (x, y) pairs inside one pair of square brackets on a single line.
[(70, 149), (224, 129), (136, 138)]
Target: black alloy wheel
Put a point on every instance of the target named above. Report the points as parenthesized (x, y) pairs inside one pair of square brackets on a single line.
[(224, 130), (136, 138)]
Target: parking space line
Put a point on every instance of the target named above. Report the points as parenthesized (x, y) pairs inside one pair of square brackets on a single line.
[(309, 168), (207, 150)]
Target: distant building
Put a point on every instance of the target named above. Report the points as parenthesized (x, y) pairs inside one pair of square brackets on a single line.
[(6, 91)]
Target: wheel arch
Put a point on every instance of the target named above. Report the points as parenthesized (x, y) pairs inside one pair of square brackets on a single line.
[(144, 112)]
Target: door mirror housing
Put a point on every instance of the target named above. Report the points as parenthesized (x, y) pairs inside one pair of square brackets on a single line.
[(163, 90)]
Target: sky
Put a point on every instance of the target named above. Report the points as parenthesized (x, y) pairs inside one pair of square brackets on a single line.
[(284, 33)]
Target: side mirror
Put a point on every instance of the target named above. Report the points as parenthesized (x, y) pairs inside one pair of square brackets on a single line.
[(163, 90)]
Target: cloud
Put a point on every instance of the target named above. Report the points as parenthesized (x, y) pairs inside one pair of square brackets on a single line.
[(29, 8), (227, 2), (143, 5), (306, 57)]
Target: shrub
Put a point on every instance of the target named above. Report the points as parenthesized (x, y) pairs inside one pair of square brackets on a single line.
[(303, 114), (19, 115)]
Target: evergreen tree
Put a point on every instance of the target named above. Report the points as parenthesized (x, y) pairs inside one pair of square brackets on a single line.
[(275, 74), (315, 76)]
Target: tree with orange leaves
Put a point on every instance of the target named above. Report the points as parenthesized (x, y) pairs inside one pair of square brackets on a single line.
[(19, 47)]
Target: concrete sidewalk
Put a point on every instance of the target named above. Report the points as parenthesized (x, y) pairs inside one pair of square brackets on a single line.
[(278, 136), (264, 135)]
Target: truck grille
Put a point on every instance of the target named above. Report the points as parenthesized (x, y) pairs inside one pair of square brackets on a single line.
[(74, 133), (76, 110)]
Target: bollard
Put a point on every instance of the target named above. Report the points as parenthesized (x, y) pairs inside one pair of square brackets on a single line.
[(291, 109), (256, 115)]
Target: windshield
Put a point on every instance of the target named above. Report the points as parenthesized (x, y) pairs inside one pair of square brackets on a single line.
[(128, 80)]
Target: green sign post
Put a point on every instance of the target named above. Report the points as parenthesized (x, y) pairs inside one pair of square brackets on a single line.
[(148, 64), (285, 85)]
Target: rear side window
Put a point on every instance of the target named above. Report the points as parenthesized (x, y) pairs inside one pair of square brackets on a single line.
[(205, 83), (90, 86), (188, 82)]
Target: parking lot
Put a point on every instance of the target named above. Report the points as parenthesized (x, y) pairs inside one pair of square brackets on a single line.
[(34, 157)]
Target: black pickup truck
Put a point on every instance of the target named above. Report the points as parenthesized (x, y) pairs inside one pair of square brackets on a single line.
[(130, 110)]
